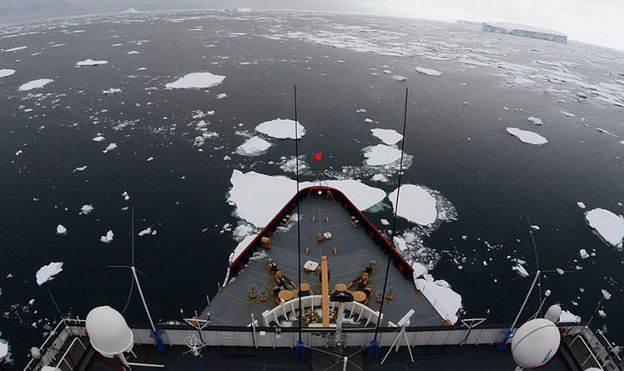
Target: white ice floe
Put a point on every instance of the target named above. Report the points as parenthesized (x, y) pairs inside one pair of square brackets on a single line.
[(47, 272), (196, 80), (111, 91), (527, 136), (281, 129), (415, 204), (519, 268), (147, 231), (253, 146), (125, 195), (445, 301), (110, 147), (90, 62), (368, 121), (384, 222), (60, 229), (428, 71), (6, 72), (569, 317), (35, 84), (388, 136), (399, 78), (583, 254), (381, 155), (80, 168), (221, 95), (605, 294), (108, 237), (4, 349), (132, 52), (277, 190), (535, 120), (608, 225), (86, 210), (580, 204), (98, 138)]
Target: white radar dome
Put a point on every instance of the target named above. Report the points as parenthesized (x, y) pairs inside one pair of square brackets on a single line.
[(108, 332), (553, 313), (535, 343)]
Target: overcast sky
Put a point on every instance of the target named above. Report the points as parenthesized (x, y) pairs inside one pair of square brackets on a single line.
[(593, 21)]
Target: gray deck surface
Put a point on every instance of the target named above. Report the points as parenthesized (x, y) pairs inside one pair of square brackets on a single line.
[(355, 250), (450, 358)]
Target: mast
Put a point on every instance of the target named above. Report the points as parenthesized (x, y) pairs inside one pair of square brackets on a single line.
[(298, 214)]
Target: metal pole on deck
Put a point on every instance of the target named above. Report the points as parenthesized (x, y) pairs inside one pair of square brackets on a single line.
[(374, 345), (300, 350)]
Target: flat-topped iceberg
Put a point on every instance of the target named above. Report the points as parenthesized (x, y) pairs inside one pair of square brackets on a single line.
[(608, 225), (35, 84), (281, 129), (6, 72), (388, 136), (90, 62), (381, 155), (47, 272), (254, 146), (428, 71), (196, 80), (415, 204), (526, 136)]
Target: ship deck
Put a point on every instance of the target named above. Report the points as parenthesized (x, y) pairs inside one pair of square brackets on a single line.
[(354, 251), (432, 358)]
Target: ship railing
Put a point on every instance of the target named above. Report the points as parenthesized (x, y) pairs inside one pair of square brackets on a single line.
[(355, 310), (55, 342), (63, 361), (590, 353), (608, 360)]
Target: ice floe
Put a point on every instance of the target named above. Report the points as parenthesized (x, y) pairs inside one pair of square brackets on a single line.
[(381, 154), (569, 317), (535, 120), (47, 272), (108, 237), (608, 225), (416, 204), (221, 95), (110, 147), (6, 72), (526, 136), (98, 138), (428, 71), (196, 80), (520, 269), (90, 62), (388, 136), (281, 129), (447, 302), (111, 91), (35, 84), (15, 49), (85, 210), (399, 78), (60, 229), (583, 254), (4, 349), (253, 146), (147, 231), (605, 294), (580, 204)]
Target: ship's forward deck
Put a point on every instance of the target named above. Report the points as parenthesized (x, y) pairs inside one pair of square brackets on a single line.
[(354, 250)]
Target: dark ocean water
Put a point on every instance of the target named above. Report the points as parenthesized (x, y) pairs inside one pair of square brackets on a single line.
[(461, 150)]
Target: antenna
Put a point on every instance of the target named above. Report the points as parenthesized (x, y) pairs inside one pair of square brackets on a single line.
[(375, 344), (299, 342), (537, 264)]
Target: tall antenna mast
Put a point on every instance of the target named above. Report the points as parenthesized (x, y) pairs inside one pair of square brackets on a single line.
[(300, 342), (375, 344)]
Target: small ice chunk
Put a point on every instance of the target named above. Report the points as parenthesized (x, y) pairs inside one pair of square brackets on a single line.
[(111, 91), (196, 80), (35, 84), (254, 146), (6, 72), (385, 222), (281, 129), (90, 62), (108, 237), (86, 210), (221, 95), (583, 254), (4, 349), (360, 110), (522, 272), (399, 78), (535, 120), (535, 227), (567, 114), (368, 121), (527, 136), (15, 49), (560, 271), (388, 136), (381, 155), (569, 317), (110, 147), (606, 294), (98, 138), (47, 272), (428, 71), (150, 159), (81, 168), (146, 231), (581, 205), (132, 52), (60, 229), (125, 195), (608, 225)]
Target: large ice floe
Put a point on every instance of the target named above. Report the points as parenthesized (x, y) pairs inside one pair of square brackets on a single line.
[(253, 146), (388, 136), (281, 129), (608, 225), (526, 136), (35, 84), (47, 272), (196, 80), (381, 154), (6, 72), (277, 190), (90, 62), (415, 204)]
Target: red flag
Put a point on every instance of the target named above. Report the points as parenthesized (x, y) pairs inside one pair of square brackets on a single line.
[(318, 156)]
